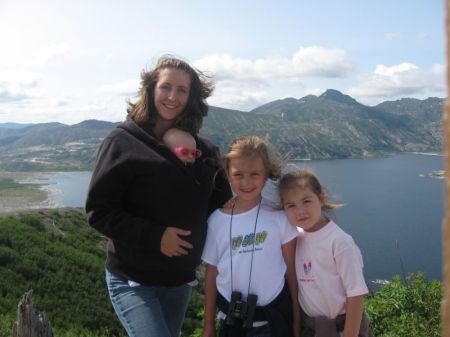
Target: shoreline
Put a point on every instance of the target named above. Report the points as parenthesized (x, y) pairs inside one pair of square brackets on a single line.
[(19, 211), (32, 190), (39, 190), (437, 154), (26, 192)]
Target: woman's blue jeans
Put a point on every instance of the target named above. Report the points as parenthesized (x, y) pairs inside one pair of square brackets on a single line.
[(148, 311)]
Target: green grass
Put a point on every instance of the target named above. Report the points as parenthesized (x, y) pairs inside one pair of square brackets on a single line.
[(14, 194), (8, 183)]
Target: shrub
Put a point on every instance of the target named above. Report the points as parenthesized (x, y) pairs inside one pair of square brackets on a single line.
[(410, 309)]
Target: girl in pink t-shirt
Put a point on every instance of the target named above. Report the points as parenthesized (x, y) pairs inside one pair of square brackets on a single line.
[(329, 265)]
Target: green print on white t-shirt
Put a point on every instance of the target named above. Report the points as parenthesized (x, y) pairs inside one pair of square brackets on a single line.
[(240, 240)]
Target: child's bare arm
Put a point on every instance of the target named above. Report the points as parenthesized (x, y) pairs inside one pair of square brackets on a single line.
[(288, 250), (210, 301), (354, 310)]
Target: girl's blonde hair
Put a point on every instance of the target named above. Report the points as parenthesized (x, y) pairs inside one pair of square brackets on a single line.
[(305, 179), (255, 147)]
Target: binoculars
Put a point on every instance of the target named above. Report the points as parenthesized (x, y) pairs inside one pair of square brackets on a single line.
[(241, 310)]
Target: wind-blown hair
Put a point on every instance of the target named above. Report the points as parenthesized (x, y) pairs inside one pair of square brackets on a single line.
[(255, 147), (143, 111), (302, 179)]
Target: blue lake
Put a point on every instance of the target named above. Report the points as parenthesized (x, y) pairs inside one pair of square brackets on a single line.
[(393, 209), (67, 189)]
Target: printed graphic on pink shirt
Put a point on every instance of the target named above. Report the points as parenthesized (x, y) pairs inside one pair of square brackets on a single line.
[(307, 272)]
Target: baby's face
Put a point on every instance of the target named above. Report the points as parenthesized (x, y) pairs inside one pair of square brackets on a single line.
[(186, 154), (183, 145)]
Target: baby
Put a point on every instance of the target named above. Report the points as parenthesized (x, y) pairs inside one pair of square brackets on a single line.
[(182, 144)]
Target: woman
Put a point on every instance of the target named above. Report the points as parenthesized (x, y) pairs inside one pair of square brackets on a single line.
[(153, 207)]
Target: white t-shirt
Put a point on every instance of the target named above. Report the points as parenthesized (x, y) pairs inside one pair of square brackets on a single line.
[(268, 271), (329, 269)]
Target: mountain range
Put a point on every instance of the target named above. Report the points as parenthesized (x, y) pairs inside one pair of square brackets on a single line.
[(332, 125)]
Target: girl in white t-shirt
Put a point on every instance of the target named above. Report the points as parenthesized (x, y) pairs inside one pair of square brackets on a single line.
[(328, 263), (249, 251)]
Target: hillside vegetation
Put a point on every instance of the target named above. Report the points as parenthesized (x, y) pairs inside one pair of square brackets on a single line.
[(332, 125), (55, 253), (58, 256)]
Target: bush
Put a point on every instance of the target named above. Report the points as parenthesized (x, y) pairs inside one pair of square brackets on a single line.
[(64, 264), (410, 309), (6, 325), (62, 258)]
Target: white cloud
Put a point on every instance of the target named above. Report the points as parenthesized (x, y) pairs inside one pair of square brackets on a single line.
[(19, 77), (393, 36), (421, 36), (49, 55), (59, 102), (8, 96), (241, 97), (322, 62), (21, 80), (306, 62), (403, 68), (18, 84), (68, 110), (243, 83), (125, 88), (314, 91), (404, 79)]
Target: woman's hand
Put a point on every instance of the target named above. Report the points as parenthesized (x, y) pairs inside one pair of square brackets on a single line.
[(172, 244)]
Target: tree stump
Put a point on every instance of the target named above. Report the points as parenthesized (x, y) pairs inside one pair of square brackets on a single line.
[(30, 322)]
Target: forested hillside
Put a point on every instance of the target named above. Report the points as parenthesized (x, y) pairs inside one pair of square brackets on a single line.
[(58, 256), (332, 125), (55, 253)]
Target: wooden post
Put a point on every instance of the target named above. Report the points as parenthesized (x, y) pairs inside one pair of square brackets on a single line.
[(446, 224), (30, 322)]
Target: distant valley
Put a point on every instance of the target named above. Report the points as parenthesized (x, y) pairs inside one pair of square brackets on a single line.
[(332, 125)]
